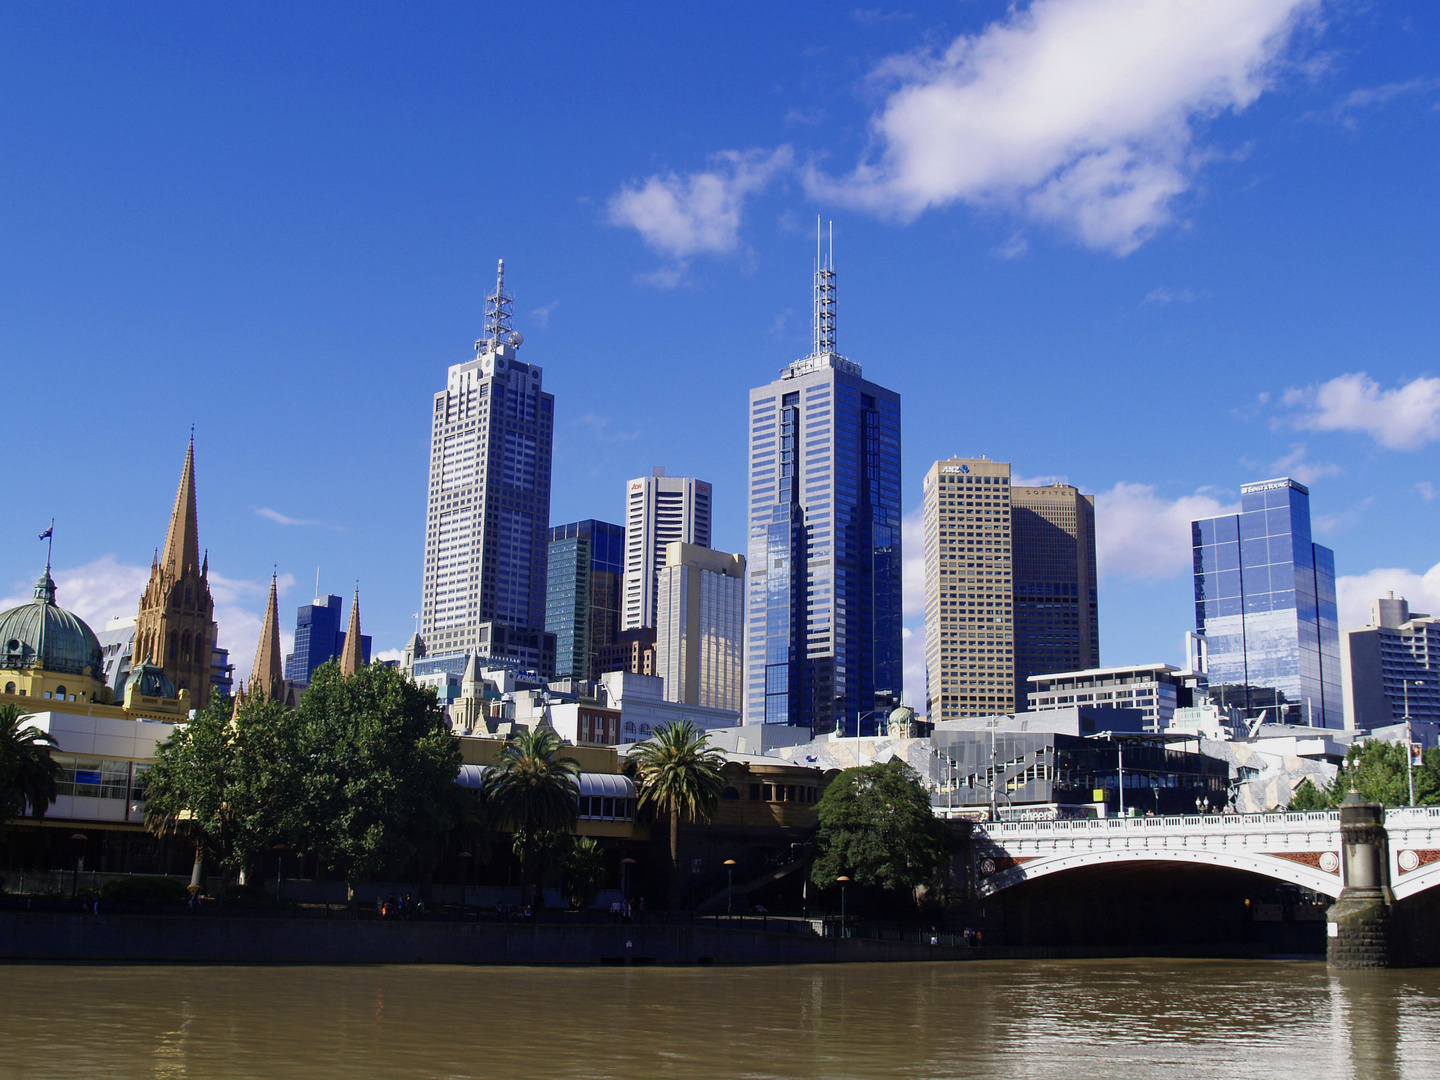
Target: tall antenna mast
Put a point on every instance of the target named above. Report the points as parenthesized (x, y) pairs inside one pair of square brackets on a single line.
[(824, 293), (499, 310)]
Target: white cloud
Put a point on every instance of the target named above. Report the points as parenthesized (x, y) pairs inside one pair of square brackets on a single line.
[(1344, 110), (1079, 113), (279, 518), (1405, 418), (1294, 464), (913, 674), (912, 540), (1355, 592), (541, 315), (1426, 490), (1160, 296), (599, 427), (1139, 534), (1014, 248), (700, 213), (386, 654)]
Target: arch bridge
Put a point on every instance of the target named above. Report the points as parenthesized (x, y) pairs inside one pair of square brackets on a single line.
[(1300, 848)]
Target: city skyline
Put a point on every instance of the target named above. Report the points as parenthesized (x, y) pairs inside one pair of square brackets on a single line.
[(1269, 319)]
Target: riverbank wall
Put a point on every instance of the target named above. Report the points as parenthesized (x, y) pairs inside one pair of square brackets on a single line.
[(67, 937)]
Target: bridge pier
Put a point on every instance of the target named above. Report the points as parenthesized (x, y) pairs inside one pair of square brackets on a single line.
[(1360, 924)]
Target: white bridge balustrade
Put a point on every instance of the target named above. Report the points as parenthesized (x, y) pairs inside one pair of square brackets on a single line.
[(1301, 848)]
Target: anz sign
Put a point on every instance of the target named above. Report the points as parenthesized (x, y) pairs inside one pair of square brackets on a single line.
[(955, 468)]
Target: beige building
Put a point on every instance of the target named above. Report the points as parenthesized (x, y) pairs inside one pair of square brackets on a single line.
[(969, 623), (699, 628)]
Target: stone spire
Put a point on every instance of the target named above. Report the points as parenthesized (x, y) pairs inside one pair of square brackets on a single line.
[(267, 677), (182, 542), (352, 658)]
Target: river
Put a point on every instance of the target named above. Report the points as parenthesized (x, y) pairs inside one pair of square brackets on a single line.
[(1083, 1019)]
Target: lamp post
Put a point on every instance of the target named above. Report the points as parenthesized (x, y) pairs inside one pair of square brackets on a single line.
[(77, 838), (464, 858), (844, 881), (625, 865), (280, 850), (1409, 738), (730, 888)]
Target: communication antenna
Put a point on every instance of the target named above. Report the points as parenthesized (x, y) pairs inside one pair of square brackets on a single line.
[(499, 312), (824, 342)]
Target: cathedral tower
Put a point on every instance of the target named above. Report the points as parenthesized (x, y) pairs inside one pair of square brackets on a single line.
[(175, 626), (267, 676)]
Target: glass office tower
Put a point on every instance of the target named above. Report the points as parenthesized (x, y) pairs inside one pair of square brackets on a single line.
[(1265, 608), (584, 572), (823, 620), (319, 637)]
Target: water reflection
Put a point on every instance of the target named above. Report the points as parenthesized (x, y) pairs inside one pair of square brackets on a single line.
[(1091, 1019)]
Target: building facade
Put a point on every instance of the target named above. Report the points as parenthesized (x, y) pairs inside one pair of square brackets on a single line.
[(659, 510), (969, 615), (1391, 668), (585, 569), (823, 596), (1157, 690), (700, 627), (488, 514), (1265, 605), (1056, 595)]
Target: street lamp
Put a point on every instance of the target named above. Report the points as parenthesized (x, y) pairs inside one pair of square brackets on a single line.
[(280, 850), (77, 838), (844, 881), (464, 858), (1409, 738), (730, 888)]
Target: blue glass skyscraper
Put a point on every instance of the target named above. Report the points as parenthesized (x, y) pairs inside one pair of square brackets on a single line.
[(823, 618), (584, 572), (319, 636), (1265, 608)]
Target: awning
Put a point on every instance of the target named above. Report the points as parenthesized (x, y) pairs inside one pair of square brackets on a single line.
[(607, 785)]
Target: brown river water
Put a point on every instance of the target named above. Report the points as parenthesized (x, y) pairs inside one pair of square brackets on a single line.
[(1083, 1019)]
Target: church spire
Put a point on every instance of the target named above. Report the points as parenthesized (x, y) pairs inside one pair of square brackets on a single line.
[(267, 677), (352, 656), (182, 542)]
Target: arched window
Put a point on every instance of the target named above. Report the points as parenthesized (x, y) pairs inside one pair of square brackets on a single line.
[(60, 692), (187, 595), (185, 646), (730, 793), (630, 726), (174, 645), (200, 653), (9, 687)]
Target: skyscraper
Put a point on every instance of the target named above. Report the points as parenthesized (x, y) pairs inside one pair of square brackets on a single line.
[(659, 510), (969, 618), (1265, 607), (582, 593), (318, 638), (700, 626), (1057, 610), (488, 516), (1391, 668), (823, 622)]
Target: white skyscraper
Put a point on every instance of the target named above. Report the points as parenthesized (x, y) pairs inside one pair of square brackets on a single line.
[(700, 626), (487, 521), (659, 510)]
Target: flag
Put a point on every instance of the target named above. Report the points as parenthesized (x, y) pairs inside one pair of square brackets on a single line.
[(48, 533)]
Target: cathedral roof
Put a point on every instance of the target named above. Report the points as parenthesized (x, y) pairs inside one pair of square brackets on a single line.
[(150, 680), (44, 636)]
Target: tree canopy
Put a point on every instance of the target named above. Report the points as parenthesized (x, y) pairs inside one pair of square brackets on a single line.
[(536, 795), (877, 828), (27, 771), (1378, 772), (678, 776)]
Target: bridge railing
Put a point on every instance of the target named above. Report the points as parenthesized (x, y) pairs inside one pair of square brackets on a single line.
[(1181, 822)]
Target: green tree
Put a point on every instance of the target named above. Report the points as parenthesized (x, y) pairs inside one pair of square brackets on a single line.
[(535, 795), (1309, 797), (370, 776), (877, 828), (27, 771), (678, 776), (217, 782), (1377, 770), (583, 874)]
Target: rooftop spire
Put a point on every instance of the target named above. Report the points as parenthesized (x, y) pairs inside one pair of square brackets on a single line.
[(824, 293), (182, 541), (267, 677), (499, 310), (352, 657)]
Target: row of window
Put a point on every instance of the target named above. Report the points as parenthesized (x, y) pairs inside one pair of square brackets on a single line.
[(58, 694), (800, 793)]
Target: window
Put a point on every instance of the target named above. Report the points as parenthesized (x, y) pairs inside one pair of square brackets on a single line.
[(9, 687), (730, 793), (754, 792), (60, 692)]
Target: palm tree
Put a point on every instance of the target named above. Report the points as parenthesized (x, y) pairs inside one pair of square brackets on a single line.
[(679, 777), (534, 794), (27, 771)]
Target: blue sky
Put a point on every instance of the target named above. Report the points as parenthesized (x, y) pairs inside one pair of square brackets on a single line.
[(1157, 249)]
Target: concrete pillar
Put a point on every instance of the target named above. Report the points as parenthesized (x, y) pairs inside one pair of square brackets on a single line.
[(1359, 923)]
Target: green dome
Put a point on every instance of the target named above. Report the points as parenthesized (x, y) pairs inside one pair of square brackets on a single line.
[(150, 680), (45, 637)]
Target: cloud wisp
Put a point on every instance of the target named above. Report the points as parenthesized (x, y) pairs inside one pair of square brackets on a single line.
[(1403, 418), (1354, 592), (1141, 534)]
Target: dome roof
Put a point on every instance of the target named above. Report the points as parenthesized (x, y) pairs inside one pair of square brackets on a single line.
[(150, 680), (45, 637)]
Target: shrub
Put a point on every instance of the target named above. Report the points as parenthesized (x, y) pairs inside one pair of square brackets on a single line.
[(145, 890)]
